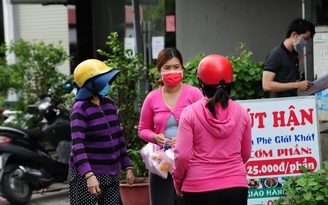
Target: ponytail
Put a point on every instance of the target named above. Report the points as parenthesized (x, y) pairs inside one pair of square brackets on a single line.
[(217, 94)]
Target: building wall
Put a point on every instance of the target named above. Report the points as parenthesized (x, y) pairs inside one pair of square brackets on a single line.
[(47, 23), (217, 26)]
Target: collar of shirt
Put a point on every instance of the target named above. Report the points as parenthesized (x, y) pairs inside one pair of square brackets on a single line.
[(292, 55)]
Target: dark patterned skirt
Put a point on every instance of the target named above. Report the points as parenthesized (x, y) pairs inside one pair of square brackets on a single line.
[(79, 194)]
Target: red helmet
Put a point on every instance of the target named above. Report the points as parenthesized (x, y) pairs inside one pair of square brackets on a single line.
[(214, 68)]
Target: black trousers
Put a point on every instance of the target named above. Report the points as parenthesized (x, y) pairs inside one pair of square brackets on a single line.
[(162, 191), (232, 196)]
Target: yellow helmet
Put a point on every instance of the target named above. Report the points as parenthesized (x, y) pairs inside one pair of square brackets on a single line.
[(89, 69), (92, 76)]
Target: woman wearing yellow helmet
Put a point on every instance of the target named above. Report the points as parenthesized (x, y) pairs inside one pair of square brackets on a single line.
[(98, 151)]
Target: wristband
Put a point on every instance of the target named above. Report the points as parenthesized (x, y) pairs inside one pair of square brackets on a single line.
[(127, 168), (89, 176)]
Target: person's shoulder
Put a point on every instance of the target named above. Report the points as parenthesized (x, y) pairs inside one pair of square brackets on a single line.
[(107, 100), (197, 104), (154, 92), (237, 105), (152, 96), (190, 88), (276, 50), (192, 92), (273, 59), (191, 109), (79, 104)]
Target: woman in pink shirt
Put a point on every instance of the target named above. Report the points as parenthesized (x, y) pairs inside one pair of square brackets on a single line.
[(213, 141), (160, 114)]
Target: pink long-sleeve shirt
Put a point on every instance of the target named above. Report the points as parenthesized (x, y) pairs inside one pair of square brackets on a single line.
[(210, 153), (155, 114)]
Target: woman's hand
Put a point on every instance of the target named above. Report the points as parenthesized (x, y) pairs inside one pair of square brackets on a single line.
[(179, 193), (130, 178), (92, 183), (173, 141), (159, 139)]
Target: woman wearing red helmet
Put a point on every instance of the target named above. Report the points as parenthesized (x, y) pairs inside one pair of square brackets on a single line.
[(213, 141)]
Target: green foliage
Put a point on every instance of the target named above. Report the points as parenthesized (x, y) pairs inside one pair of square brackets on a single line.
[(34, 73), (11, 78), (308, 188), (126, 95), (190, 70), (155, 76), (247, 76)]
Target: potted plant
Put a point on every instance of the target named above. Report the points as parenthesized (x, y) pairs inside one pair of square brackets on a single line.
[(128, 99), (308, 188)]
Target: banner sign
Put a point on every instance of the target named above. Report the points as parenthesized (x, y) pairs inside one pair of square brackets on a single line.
[(284, 136)]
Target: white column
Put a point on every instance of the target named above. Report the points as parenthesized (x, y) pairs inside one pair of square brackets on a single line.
[(8, 20)]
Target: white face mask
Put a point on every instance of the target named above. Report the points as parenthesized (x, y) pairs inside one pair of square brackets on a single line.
[(300, 44)]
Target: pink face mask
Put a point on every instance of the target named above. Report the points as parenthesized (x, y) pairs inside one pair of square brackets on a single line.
[(172, 78)]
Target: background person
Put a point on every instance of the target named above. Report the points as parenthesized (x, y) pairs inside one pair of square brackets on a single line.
[(213, 141), (160, 114), (98, 151), (281, 67)]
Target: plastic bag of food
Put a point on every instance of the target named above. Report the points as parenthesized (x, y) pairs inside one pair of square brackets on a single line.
[(159, 161), (170, 157), (145, 153)]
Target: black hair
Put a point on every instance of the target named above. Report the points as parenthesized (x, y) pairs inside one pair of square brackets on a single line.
[(167, 54), (217, 94), (300, 26), (163, 56)]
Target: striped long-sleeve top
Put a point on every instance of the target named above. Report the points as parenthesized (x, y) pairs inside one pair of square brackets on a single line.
[(98, 143)]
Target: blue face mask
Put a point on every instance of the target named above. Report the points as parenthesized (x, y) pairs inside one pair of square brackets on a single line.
[(104, 91)]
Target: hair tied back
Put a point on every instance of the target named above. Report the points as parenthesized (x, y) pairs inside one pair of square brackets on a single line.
[(221, 84)]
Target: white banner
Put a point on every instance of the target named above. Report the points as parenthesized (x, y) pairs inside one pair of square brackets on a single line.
[(284, 136)]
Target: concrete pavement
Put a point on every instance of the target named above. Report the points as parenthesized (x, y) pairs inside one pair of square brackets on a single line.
[(57, 194)]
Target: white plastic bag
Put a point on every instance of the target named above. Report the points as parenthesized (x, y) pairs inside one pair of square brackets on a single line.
[(170, 157), (159, 161), (156, 160), (145, 153)]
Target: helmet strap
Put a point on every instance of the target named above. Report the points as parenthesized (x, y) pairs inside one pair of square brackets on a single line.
[(201, 84), (92, 90)]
